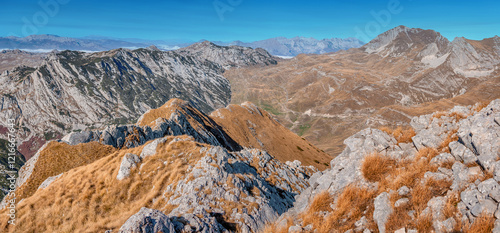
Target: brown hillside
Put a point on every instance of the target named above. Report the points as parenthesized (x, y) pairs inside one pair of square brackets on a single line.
[(253, 127), (90, 199), (248, 126), (57, 158)]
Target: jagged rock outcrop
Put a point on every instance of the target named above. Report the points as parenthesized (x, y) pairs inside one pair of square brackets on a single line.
[(73, 90), (177, 168), (230, 56), (148, 221), (466, 180)]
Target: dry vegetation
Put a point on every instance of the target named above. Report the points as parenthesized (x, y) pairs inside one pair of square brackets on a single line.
[(375, 167), (401, 135), (259, 130), (58, 158), (90, 199), (350, 205), (337, 213)]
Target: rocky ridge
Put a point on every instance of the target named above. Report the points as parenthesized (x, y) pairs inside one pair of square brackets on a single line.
[(191, 177), (454, 163), (75, 90)]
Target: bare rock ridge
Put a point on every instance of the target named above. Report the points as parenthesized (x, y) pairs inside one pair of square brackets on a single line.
[(279, 46), (174, 169), (72, 90), (464, 57), (404, 72), (228, 56), (234, 128), (174, 118)]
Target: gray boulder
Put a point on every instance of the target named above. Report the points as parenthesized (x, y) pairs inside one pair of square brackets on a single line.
[(129, 162), (148, 221), (382, 211)]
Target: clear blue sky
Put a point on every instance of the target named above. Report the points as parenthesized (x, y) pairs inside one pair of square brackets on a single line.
[(245, 20)]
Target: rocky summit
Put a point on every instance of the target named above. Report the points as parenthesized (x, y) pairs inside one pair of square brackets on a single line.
[(71, 91)]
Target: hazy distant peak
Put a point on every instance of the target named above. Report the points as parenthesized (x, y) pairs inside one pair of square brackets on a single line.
[(401, 39)]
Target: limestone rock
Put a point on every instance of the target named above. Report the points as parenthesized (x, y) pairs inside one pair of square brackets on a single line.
[(148, 221), (382, 211), (129, 162)]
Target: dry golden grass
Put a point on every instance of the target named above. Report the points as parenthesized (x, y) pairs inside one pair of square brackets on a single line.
[(450, 207), (273, 228), (424, 223), (401, 135), (321, 202), (375, 167), (350, 205), (482, 224), (90, 199), (57, 158), (451, 137), (164, 111), (394, 175), (261, 131)]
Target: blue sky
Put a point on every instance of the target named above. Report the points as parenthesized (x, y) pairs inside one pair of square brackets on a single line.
[(246, 20)]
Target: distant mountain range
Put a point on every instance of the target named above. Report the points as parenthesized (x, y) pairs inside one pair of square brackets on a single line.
[(279, 46)]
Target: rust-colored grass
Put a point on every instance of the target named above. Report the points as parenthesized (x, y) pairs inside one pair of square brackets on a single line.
[(375, 167), (481, 224), (255, 128), (273, 228), (450, 207), (352, 203), (321, 202), (424, 223), (401, 135), (451, 137)]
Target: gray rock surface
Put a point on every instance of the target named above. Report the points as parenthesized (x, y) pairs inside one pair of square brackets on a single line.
[(473, 156), (78, 90), (382, 211), (48, 181), (148, 221), (129, 162)]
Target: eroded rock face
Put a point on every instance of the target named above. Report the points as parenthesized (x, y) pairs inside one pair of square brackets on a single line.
[(73, 90), (382, 211)]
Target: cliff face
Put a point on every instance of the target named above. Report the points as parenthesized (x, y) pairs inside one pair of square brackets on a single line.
[(75, 90)]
